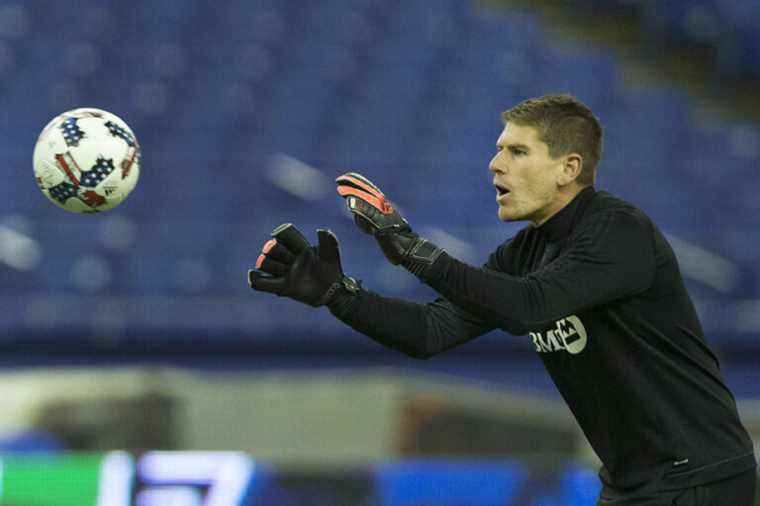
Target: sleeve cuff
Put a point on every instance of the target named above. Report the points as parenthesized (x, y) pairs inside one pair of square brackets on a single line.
[(343, 301)]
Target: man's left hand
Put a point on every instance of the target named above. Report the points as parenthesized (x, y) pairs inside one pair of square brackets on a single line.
[(289, 266), (375, 215)]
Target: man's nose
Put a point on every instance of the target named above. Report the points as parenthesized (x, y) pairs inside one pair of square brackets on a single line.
[(493, 167)]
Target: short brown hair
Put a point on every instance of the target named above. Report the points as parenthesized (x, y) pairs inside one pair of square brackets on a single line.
[(565, 125)]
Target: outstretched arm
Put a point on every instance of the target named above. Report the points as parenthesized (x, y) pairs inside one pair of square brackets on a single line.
[(611, 258), (417, 330), (289, 266)]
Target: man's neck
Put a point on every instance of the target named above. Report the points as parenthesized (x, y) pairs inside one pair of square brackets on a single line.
[(563, 198)]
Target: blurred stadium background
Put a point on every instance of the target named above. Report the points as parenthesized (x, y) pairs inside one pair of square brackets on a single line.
[(138, 368)]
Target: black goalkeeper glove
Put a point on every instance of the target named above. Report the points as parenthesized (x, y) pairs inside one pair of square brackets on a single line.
[(291, 267), (375, 215)]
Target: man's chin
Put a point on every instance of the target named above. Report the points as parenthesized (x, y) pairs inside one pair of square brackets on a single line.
[(505, 215)]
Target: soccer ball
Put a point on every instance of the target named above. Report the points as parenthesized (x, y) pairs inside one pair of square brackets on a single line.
[(86, 160)]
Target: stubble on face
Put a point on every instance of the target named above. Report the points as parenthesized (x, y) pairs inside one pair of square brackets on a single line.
[(529, 203)]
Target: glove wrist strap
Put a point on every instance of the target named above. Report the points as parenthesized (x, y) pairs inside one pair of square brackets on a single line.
[(347, 285), (420, 256)]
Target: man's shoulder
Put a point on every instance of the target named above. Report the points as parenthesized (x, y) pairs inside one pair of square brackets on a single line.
[(606, 204)]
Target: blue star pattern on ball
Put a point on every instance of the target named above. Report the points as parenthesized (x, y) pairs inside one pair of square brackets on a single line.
[(102, 168), (72, 134), (63, 192), (118, 131)]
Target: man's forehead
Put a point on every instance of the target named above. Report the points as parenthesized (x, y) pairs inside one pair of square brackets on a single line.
[(518, 134)]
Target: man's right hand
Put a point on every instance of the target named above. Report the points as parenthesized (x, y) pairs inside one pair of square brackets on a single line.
[(291, 267), (375, 215)]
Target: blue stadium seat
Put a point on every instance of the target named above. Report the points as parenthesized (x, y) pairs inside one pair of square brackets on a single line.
[(578, 486), (449, 483)]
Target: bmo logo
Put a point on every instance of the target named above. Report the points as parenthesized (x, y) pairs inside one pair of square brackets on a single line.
[(568, 335)]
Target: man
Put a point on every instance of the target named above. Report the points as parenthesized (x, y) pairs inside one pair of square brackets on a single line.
[(591, 280)]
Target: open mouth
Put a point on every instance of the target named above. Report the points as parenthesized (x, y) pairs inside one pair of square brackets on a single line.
[(500, 191)]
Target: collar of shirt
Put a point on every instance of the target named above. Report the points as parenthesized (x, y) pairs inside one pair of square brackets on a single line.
[(561, 224)]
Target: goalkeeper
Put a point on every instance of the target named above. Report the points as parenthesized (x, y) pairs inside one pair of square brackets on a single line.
[(591, 280)]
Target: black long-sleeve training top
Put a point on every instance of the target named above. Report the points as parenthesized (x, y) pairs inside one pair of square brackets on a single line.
[(599, 291)]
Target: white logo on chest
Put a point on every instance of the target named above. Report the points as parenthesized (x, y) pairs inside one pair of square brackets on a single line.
[(569, 334)]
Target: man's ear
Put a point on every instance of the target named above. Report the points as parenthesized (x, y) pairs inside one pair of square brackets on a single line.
[(571, 169)]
